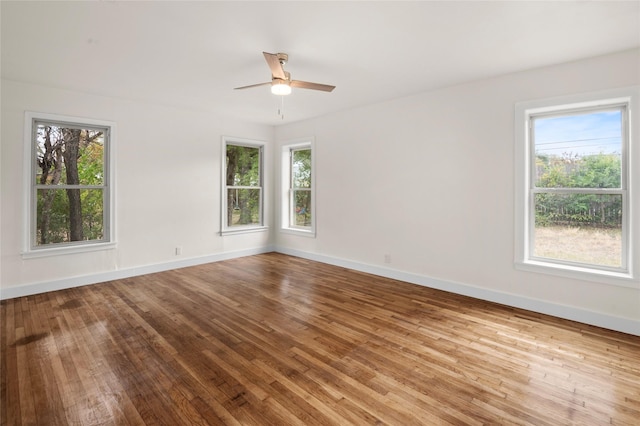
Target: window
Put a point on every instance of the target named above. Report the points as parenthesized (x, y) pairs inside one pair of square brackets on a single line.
[(70, 194), (297, 188), (574, 198), (243, 199)]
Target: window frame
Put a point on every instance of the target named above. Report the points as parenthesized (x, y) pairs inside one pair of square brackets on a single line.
[(526, 189), (287, 192), (32, 250), (225, 228)]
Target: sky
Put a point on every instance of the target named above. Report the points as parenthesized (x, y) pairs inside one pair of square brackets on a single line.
[(586, 133)]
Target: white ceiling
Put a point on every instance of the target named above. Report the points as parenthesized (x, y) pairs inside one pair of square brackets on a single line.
[(192, 54)]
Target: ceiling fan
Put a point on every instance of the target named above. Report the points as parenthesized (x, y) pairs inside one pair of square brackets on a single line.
[(281, 82)]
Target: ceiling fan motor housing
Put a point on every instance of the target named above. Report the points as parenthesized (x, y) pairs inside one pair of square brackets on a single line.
[(283, 58)]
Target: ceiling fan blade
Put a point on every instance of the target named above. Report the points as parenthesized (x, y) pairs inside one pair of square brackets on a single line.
[(313, 86), (274, 64), (252, 85)]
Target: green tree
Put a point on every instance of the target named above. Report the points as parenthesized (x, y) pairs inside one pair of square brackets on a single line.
[(69, 156), (573, 171), (243, 173), (598, 171), (91, 172), (71, 153), (301, 185), (50, 161)]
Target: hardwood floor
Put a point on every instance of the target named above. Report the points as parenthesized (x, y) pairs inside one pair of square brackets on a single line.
[(279, 340)]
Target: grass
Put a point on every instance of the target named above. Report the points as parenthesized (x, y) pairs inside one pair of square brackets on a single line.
[(584, 245)]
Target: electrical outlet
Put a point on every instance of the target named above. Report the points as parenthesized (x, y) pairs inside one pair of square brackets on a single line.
[(387, 258), (178, 250)]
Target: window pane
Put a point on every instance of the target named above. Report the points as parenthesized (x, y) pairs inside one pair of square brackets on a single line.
[(67, 155), (65, 215), (584, 228), (301, 168), (243, 165), (302, 201), (243, 207), (579, 151)]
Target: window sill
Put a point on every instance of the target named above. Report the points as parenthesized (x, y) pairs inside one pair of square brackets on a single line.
[(244, 230), (301, 232), (622, 279), (74, 249)]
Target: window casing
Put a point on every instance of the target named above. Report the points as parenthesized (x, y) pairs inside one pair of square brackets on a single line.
[(574, 193), (69, 200), (298, 194), (242, 186)]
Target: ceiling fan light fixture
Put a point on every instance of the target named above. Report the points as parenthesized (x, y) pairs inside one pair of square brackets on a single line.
[(281, 82), (280, 88)]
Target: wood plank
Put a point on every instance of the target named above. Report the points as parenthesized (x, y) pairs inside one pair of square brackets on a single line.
[(275, 339)]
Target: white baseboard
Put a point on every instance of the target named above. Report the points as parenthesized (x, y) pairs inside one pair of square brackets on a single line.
[(610, 322), (624, 325), (43, 287)]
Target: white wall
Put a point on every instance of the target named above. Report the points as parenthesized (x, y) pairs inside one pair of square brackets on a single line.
[(167, 189), (383, 173)]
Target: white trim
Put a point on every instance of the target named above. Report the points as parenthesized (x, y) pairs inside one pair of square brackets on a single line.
[(523, 259), (297, 231), (244, 230), (70, 249), (576, 272), (71, 282), (252, 143), (625, 325), (28, 251)]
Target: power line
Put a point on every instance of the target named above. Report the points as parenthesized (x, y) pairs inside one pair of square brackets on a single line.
[(577, 140)]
